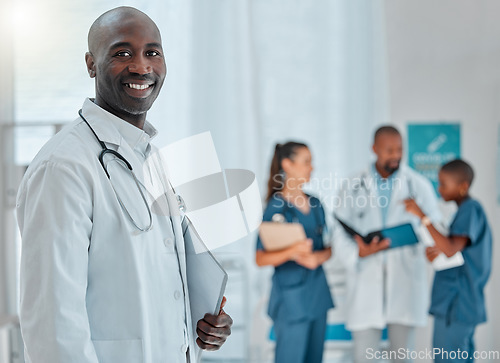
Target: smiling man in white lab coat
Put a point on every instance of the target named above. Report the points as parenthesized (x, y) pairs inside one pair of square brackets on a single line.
[(385, 287), (103, 280)]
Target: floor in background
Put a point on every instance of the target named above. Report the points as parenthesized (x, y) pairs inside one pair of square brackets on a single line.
[(332, 357), (333, 360)]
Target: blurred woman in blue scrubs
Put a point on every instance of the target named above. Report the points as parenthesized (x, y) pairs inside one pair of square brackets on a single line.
[(300, 296)]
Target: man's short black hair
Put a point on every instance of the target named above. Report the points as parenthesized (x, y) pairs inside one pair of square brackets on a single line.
[(387, 129), (461, 169)]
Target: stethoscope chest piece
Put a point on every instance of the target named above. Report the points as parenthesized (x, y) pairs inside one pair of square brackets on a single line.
[(278, 218)]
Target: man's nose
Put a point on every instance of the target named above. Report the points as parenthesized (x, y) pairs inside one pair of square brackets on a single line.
[(396, 154), (140, 65)]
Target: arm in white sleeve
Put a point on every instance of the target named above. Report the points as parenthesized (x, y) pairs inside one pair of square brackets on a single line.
[(55, 219)]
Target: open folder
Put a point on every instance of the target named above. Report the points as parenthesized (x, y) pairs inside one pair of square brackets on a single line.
[(206, 279), (402, 235), (276, 236)]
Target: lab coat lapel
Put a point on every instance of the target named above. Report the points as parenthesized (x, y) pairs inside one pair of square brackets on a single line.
[(368, 178), (179, 239), (181, 253), (157, 162), (400, 192)]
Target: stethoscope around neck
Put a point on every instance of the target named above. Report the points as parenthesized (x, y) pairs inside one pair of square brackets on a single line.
[(106, 150)]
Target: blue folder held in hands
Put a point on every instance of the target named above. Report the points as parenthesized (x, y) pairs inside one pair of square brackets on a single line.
[(401, 235)]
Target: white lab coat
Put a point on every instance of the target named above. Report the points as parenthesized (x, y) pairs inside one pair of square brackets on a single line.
[(389, 286), (93, 288)]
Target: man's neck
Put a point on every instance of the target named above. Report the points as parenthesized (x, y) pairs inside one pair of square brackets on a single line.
[(382, 172), (135, 120)]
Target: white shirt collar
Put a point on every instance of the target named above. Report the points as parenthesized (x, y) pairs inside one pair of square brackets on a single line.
[(136, 138)]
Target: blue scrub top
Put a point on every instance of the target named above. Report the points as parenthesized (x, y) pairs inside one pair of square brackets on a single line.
[(298, 293), (384, 191), (458, 293)]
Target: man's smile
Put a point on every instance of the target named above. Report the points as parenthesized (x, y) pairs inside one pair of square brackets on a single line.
[(139, 89), (138, 86)]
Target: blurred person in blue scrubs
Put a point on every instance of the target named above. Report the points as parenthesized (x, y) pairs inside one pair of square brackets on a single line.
[(300, 296), (458, 302)]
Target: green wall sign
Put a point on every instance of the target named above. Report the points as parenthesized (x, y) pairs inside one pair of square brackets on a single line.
[(431, 145)]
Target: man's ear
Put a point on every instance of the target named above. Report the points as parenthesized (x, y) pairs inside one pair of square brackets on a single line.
[(89, 60)]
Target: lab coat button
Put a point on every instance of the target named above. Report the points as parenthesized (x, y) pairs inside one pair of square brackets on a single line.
[(177, 295), (169, 242), (184, 348)]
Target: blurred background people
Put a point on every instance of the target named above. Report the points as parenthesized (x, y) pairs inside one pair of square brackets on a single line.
[(385, 287)]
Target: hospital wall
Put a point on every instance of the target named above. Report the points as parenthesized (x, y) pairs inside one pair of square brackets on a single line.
[(444, 65)]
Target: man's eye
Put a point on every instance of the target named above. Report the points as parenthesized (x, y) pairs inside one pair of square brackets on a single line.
[(123, 54), (153, 53)]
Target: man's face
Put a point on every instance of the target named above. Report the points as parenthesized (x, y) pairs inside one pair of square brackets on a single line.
[(129, 66), (389, 150)]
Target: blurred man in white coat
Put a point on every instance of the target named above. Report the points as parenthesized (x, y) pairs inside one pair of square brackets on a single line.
[(386, 287)]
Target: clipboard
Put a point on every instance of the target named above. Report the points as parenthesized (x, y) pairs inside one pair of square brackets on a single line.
[(401, 235), (206, 279), (276, 236)]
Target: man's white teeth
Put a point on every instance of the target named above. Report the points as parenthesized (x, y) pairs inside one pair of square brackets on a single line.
[(138, 86)]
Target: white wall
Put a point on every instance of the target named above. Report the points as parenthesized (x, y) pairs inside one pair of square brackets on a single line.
[(444, 65)]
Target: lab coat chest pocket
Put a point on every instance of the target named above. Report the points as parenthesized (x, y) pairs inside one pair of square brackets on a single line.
[(113, 351)]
